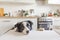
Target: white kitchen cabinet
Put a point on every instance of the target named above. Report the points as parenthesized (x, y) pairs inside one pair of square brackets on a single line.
[(56, 24), (45, 22), (53, 1), (5, 24), (8, 23), (56, 21)]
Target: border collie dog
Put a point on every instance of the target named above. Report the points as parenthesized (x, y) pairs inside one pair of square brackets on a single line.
[(23, 27)]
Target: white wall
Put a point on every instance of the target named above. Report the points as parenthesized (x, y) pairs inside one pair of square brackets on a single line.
[(12, 7), (37, 7), (46, 8)]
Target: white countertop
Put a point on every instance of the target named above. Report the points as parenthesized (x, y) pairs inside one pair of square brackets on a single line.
[(18, 17), (33, 35)]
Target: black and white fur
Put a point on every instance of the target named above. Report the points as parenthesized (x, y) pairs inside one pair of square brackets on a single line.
[(23, 27)]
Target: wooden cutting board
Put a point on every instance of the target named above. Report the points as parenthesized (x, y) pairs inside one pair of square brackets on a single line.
[(1, 11)]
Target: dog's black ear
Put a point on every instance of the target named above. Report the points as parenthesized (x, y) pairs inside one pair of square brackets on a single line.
[(16, 25), (30, 26), (30, 22), (19, 26)]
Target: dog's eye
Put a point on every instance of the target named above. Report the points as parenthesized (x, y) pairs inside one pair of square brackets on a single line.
[(27, 25)]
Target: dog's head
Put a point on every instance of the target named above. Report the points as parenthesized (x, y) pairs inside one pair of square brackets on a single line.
[(24, 26)]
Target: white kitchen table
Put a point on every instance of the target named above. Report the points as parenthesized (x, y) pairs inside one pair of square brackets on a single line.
[(33, 35)]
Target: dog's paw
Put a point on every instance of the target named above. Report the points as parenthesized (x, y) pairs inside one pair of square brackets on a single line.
[(12, 28)]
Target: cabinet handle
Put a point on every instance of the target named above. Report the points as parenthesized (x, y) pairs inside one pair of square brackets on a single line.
[(6, 21)]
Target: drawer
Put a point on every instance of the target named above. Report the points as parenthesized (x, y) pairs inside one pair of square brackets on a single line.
[(56, 19), (56, 23), (45, 19)]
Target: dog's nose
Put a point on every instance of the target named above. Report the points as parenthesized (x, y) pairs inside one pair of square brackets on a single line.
[(27, 32)]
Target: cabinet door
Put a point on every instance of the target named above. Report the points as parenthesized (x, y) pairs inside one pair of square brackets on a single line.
[(53, 1), (56, 22), (5, 25)]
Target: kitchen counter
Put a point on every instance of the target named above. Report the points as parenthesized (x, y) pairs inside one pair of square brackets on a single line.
[(33, 35), (18, 17), (51, 17), (27, 17)]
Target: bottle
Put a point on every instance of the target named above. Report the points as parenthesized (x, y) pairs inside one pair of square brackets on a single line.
[(9, 14), (50, 14)]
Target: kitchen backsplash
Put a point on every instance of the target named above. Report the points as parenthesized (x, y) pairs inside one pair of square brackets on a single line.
[(38, 9)]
